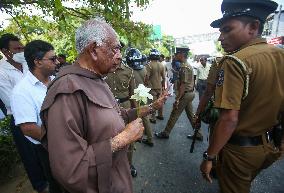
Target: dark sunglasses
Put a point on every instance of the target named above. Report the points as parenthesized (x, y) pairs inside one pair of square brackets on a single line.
[(53, 59)]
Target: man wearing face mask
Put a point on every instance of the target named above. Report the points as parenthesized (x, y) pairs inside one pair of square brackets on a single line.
[(12, 71), (13, 68)]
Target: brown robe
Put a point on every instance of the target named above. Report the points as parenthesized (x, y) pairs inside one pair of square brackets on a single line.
[(80, 116)]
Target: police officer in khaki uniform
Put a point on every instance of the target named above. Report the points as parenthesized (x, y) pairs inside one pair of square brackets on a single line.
[(208, 93), (206, 97), (135, 60), (185, 95), (155, 79), (122, 85), (250, 100)]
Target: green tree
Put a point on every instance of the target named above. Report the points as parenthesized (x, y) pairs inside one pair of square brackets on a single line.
[(61, 17), (62, 38), (219, 47)]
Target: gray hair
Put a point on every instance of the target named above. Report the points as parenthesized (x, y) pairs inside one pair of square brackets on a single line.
[(93, 30)]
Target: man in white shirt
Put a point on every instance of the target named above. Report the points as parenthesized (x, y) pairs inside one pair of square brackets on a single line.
[(13, 68), (27, 98), (202, 74), (11, 71)]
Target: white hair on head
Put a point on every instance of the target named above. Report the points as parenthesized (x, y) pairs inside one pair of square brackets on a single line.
[(93, 30)]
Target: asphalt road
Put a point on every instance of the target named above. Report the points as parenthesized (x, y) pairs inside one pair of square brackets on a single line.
[(169, 167)]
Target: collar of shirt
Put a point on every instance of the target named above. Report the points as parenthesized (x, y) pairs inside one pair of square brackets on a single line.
[(121, 67), (33, 80), (254, 42), (5, 65), (184, 64)]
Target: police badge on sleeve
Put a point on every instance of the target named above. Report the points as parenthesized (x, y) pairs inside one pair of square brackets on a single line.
[(220, 79)]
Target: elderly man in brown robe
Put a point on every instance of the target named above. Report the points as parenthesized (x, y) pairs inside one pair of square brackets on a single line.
[(83, 125)]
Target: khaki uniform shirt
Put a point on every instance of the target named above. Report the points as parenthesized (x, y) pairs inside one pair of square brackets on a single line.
[(155, 74), (79, 118), (139, 76), (121, 82), (186, 77), (213, 72), (259, 110)]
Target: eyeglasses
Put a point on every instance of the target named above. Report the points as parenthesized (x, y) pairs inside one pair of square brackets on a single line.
[(53, 59)]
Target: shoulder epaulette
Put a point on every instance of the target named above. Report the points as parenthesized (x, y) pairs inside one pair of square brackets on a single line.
[(245, 69), (185, 66)]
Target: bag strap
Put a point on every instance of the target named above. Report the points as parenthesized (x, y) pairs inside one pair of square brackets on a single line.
[(245, 69)]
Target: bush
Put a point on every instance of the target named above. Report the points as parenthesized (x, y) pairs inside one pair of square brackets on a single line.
[(8, 152)]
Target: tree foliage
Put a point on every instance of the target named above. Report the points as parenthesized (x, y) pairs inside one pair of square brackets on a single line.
[(8, 153), (219, 48), (56, 20)]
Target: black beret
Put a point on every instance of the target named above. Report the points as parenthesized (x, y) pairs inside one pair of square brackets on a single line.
[(259, 9)]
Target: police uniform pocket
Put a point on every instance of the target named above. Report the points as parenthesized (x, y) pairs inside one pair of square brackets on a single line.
[(124, 84)]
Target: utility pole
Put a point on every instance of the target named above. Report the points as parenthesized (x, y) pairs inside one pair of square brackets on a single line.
[(278, 21)]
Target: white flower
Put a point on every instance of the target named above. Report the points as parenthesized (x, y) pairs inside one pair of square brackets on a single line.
[(141, 93)]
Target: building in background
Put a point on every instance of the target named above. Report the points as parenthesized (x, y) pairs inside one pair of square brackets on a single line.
[(274, 28)]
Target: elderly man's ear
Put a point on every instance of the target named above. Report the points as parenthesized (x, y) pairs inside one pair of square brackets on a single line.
[(92, 49)]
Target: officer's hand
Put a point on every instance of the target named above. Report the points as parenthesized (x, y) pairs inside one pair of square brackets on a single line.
[(161, 100), (205, 169), (196, 122), (282, 149), (134, 130), (176, 103)]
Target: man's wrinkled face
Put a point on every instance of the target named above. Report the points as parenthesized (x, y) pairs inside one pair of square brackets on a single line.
[(234, 34), (109, 55)]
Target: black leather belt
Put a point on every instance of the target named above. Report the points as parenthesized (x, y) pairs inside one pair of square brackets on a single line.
[(122, 100), (250, 141)]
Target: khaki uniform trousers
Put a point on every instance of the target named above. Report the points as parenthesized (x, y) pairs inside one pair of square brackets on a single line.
[(237, 166), (147, 129), (185, 103), (156, 94)]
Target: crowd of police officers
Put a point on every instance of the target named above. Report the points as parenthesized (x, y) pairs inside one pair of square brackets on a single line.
[(245, 86)]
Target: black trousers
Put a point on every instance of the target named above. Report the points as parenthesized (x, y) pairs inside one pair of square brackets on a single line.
[(42, 154), (29, 158), (36, 162)]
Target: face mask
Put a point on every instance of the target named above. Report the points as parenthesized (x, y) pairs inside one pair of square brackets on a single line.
[(19, 57)]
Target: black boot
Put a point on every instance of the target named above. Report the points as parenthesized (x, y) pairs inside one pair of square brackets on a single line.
[(133, 171)]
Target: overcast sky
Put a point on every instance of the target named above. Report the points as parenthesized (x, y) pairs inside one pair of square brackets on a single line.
[(182, 17), (179, 17)]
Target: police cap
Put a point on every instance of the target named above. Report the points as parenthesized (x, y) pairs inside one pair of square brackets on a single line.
[(259, 9), (182, 50)]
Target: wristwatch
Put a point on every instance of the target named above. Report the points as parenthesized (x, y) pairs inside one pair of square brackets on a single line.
[(206, 157)]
